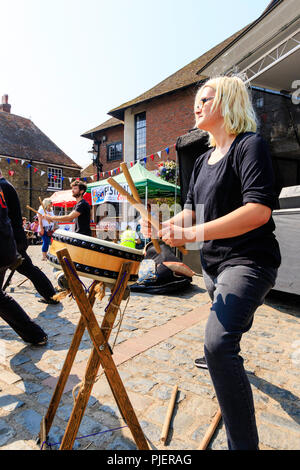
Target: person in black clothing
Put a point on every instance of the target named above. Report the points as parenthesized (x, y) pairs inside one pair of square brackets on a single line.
[(40, 281), (10, 310), (81, 212), (228, 210)]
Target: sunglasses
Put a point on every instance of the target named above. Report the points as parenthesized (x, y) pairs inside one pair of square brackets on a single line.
[(204, 100)]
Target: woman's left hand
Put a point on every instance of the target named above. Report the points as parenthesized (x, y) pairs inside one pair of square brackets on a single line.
[(173, 235)]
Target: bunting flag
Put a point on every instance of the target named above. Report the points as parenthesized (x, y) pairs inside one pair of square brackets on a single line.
[(159, 154), (42, 173), (167, 150), (22, 162)]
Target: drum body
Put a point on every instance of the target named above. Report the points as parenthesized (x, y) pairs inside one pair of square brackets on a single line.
[(94, 258)]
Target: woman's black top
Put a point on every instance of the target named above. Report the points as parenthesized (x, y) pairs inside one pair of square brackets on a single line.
[(243, 175)]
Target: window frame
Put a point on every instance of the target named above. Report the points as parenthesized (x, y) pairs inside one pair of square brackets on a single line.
[(58, 183), (137, 156), (114, 144)]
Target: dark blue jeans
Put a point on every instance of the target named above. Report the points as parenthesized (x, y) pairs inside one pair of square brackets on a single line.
[(236, 293), (46, 242)]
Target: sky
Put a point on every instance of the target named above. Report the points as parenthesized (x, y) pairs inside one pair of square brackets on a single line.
[(66, 63)]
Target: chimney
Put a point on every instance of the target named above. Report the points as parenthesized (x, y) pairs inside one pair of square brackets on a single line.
[(5, 107)]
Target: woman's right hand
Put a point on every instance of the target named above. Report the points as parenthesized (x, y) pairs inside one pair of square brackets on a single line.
[(146, 228), (42, 232)]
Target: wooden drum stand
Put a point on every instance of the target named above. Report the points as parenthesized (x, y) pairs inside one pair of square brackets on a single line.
[(101, 355)]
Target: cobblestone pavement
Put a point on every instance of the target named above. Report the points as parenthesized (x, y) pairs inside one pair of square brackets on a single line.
[(170, 332)]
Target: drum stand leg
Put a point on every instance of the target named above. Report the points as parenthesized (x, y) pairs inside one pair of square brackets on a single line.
[(100, 355)]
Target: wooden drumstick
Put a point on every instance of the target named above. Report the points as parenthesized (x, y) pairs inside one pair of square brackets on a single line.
[(165, 429), (210, 432), (144, 213), (137, 198), (33, 210)]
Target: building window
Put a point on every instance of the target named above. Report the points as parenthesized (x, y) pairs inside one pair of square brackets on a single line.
[(115, 151), (54, 178), (140, 136)]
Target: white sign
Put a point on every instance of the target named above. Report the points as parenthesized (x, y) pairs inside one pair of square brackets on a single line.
[(67, 226), (102, 194)]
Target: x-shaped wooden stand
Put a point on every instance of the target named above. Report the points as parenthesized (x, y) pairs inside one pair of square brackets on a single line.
[(101, 355)]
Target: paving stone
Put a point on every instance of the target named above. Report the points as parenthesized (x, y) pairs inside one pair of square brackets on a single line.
[(111, 409), (199, 389), (158, 354), (199, 433), (90, 426), (165, 378), (17, 445), (163, 393), (9, 377), (6, 432), (42, 375), (283, 423), (44, 398), (277, 438), (122, 443), (10, 402), (141, 385), (19, 359), (128, 327), (167, 346), (30, 420), (30, 368), (64, 411), (29, 387), (151, 431)]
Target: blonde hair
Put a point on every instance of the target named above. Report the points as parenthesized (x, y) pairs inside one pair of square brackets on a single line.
[(236, 108), (47, 202)]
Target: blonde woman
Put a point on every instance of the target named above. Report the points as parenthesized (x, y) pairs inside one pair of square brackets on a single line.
[(45, 227), (228, 208)]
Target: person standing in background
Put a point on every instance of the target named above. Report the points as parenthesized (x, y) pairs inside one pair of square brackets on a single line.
[(81, 212), (46, 227)]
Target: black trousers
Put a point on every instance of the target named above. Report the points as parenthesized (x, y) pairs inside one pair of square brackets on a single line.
[(13, 314), (40, 281)]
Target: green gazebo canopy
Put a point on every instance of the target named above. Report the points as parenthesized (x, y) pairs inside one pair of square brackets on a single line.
[(142, 178)]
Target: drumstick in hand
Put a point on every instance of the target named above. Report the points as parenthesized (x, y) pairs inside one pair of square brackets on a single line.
[(33, 210), (137, 198), (144, 213)]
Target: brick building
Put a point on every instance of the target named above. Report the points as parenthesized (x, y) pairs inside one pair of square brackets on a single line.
[(31, 161)]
